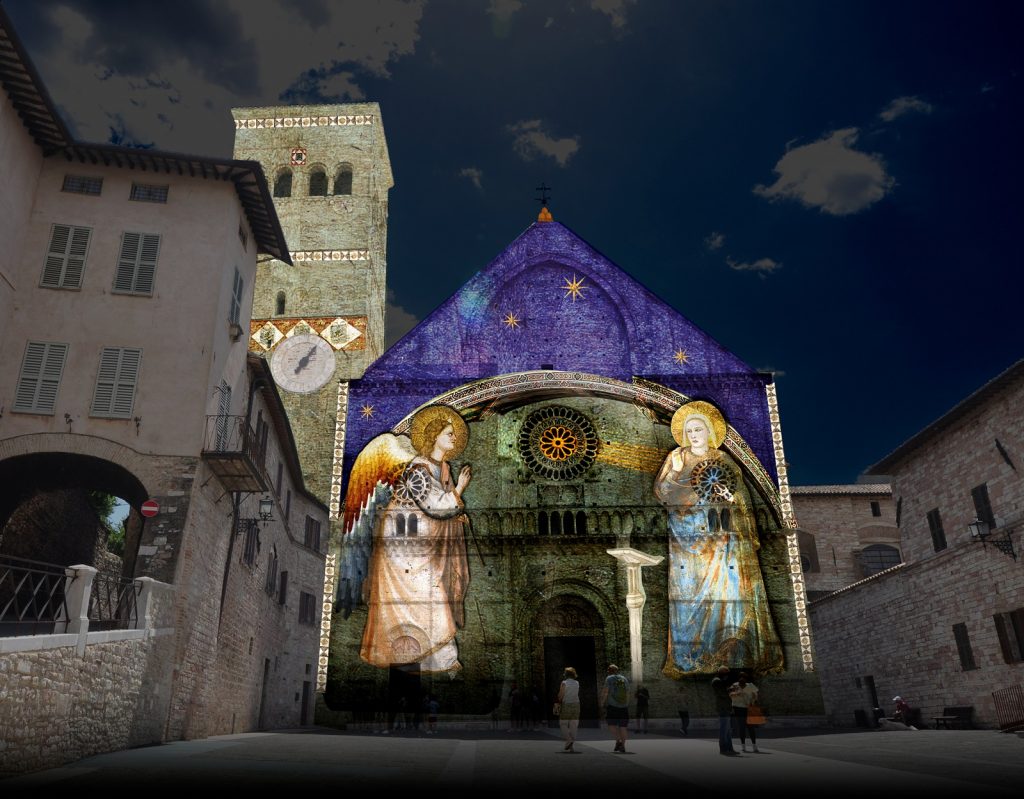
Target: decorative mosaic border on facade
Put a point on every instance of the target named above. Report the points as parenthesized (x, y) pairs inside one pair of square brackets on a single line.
[(304, 122), (796, 571), (341, 332), (639, 392), (329, 255), (325, 623), (339, 450)]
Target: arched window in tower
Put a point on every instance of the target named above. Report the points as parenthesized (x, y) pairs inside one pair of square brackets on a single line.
[(556, 524), (542, 523), (581, 523), (283, 183), (414, 525), (568, 523), (343, 180), (318, 183), (400, 524), (279, 305)]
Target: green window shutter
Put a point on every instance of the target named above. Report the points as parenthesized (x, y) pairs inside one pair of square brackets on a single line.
[(236, 298), (39, 380), (136, 265), (116, 379)]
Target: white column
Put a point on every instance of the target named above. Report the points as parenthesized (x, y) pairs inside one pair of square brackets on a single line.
[(636, 597)]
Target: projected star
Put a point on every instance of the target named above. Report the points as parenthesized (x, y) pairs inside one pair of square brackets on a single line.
[(512, 320), (574, 287), (682, 356), (367, 411)]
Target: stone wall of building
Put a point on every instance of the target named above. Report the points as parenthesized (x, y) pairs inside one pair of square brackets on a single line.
[(898, 627), (57, 706), (836, 524)]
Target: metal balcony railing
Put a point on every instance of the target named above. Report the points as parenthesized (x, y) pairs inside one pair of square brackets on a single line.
[(235, 454)]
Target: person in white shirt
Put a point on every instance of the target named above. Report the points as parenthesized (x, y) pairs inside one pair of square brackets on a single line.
[(569, 707), (743, 693)]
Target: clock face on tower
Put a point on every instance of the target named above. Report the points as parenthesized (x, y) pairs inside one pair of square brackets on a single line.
[(302, 363)]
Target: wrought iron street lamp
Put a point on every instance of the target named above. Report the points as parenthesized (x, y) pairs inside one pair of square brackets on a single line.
[(981, 531)]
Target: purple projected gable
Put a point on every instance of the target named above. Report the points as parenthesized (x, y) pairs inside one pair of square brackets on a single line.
[(551, 301)]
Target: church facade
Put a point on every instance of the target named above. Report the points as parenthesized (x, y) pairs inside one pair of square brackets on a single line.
[(567, 379)]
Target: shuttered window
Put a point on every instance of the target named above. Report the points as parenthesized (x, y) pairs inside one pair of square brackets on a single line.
[(136, 266), (236, 298), (115, 383), (938, 534), (65, 258), (1010, 629), (39, 379), (982, 506), (963, 647), (148, 194)]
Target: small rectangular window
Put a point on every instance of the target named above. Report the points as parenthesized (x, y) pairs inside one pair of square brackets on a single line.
[(938, 534), (963, 647), (982, 506), (116, 378), (280, 474), (876, 509), (39, 379), (282, 593), (312, 533), (79, 184), (136, 264), (307, 608), (252, 542), (1010, 629), (288, 507), (236, 298), (65, 257), (148, 193)]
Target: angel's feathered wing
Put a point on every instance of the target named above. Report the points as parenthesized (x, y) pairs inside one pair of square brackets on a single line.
[(370, 486)]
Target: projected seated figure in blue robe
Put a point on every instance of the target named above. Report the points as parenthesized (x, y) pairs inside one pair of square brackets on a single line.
[(718, 608)]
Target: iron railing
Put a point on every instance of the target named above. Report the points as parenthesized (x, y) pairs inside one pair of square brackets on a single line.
[(32, 597), (235, 453), (113, 603)]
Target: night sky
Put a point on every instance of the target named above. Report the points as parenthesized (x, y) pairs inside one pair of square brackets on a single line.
[(832, 190)]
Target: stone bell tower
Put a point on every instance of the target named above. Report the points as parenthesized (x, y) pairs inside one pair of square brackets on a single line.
[(320, 321)]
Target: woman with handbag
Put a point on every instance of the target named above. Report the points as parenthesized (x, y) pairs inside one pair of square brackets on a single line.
[(568, 707), (743, 694)]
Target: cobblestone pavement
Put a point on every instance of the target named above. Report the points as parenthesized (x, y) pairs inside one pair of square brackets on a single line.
[(939, 762)]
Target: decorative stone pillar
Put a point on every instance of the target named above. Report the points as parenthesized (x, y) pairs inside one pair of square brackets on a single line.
[(636, 597)]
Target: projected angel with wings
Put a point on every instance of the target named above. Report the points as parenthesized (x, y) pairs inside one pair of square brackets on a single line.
[(404, 525)]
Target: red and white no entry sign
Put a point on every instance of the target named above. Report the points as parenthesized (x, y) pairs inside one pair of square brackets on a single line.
[(150, 507)]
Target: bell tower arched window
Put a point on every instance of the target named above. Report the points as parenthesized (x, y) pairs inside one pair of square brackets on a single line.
[(343, 181), (279, 305), (283, 183), (318, 184)]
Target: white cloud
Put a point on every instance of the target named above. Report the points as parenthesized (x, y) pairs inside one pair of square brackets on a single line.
[(531, 140), (397, 320), (171, 93), (474, 175), (904, 105), (714, 241), (763, 266), (829, 174), (615, 9), (503, 10)]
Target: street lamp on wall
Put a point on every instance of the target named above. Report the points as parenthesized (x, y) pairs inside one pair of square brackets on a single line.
[(980, 531), (264, 513)]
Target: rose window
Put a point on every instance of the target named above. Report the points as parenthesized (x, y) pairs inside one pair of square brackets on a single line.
[(714, 480), (557, 442)]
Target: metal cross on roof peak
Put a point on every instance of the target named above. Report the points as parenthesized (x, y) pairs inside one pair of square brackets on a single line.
[(543, 189)]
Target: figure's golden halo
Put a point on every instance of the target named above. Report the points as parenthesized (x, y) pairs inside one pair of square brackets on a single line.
[(711, 416), (424, 434)]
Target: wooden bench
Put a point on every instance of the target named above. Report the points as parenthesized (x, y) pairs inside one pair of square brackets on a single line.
[(955, 718)]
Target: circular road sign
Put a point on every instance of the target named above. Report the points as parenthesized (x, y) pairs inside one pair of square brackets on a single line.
[(150, 507)]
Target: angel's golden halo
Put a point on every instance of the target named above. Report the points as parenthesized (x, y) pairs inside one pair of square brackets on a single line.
[(707, 413), (427, 425)]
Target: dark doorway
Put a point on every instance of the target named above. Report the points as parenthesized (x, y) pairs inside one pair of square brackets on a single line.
[(262, 722), (405, 694), (576, 651), (305, 703)]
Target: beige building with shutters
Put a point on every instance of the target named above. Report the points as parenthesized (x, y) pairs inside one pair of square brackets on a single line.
[(126, 284)]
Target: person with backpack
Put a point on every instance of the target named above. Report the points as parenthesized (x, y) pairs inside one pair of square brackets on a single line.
[(615, 698)]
